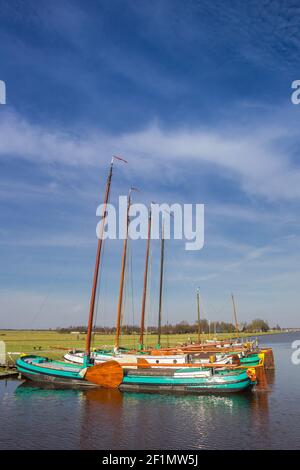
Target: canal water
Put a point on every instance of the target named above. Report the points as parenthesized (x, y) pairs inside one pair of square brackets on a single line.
[(33, 418)]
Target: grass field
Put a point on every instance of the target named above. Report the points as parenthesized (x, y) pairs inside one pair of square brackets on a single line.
[(54, 344)]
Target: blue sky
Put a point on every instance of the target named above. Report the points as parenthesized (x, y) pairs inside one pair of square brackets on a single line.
[(196, 95)]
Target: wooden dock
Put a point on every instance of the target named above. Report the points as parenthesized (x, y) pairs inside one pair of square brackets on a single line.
[(7, 374)]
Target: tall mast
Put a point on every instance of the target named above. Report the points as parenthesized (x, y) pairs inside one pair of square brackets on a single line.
[(118, 326), (198, 311), (97, 263), (141, 340), (161, 283), (235, 316)]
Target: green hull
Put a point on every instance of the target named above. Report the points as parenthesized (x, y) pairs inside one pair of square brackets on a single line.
[(40, 369), (250, 361), (218, 382)]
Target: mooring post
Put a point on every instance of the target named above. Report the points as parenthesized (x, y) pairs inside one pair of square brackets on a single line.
[(3, 361)]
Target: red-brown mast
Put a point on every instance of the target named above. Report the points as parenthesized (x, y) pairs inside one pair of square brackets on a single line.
[(162, 255), (235, 316), (97, 263), (141, 340), (118, 326), (198, 312)]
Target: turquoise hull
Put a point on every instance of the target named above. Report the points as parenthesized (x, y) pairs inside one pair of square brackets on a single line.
[(40, 369), (218, 382), (251, 361)]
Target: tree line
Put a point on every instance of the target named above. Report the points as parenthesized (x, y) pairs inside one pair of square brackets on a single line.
[(255, 326)]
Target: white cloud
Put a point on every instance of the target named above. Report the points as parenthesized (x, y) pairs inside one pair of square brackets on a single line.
[(252, 158)]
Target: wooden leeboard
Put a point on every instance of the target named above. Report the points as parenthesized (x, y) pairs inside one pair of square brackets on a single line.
[(141, 362), (107, 375)]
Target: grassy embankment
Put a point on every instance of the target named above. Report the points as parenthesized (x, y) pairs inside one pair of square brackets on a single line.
[(53, 344)]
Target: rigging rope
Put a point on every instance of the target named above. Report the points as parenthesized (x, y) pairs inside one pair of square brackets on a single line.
[(99, 285), (150, 318), (99, 289), (132, 295)]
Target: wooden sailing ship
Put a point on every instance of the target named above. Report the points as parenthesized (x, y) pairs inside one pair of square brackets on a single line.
[(109, 373), (197, 355)]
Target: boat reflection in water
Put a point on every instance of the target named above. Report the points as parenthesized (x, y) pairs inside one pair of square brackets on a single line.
[(102, 418), (260, 402)]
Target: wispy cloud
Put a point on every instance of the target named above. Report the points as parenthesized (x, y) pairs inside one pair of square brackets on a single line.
[(251, 158), (196, 95)]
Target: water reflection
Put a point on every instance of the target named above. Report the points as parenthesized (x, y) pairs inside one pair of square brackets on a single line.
[(111, 419), (28, 389), (270, 375), (51, 418), (101, 419)]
